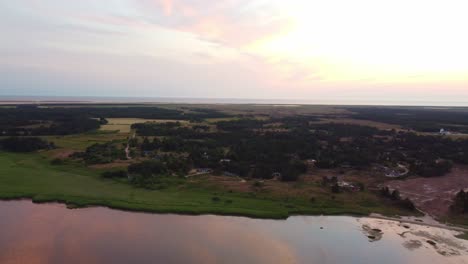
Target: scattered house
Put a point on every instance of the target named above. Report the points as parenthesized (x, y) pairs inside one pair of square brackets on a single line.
[(348, 186), (206, 156), (230, 174), (147, 153), (331, 179), (276, 175), (345, 166), (204, 170), (399, 171), (444, 132), (338, 181), (224, 161), (311, 163)]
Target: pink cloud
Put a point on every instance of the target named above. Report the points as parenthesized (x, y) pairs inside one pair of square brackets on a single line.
[(231, 22)]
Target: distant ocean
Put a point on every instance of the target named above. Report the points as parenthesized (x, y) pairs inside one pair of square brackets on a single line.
[(186, 100)]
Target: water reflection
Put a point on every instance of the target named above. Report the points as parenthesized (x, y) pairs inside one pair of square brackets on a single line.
[(50, 233)]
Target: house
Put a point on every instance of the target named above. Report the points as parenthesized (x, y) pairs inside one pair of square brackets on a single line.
[(224, 161), (147, 153), (311, 163), (348, 186), (276, 175), (204, 170), (230, 174), (444, 132)]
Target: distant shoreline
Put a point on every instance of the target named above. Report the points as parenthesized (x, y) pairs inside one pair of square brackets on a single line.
[(15, 100)]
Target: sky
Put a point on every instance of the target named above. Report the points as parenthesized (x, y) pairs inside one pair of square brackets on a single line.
[(343, 51)]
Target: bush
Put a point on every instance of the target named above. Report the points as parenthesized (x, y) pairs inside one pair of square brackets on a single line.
[(57, 162), (335, 188), (114, 174), (24, 144), (258, 184)]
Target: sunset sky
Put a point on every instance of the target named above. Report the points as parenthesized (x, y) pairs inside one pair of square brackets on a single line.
[(350, 50)]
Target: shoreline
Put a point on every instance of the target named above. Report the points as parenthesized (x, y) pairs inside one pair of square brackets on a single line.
[(415, 220)]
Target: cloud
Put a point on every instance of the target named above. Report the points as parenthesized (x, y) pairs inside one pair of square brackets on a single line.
[(234, 23)]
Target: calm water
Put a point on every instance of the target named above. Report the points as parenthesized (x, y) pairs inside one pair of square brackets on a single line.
[(50, 233)]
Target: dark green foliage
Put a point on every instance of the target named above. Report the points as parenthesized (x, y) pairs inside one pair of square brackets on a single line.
[(460, 203), (395, 198), (258, 153), (148, 168), (424, 120), (24, 144), (242, 124), (257, 184), (335, 188), (57, 162), (262, 171), (101, 153), (153, 174), (432, 168), (114, 174), (395, 195), (407, 204), (58, 120)]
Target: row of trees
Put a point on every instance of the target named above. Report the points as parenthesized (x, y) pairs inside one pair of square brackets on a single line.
[(24, 144), (419, 119), (64, 120), (152, 173), (102, 153)]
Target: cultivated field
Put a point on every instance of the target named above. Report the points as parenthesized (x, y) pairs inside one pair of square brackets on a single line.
[(123, 125)]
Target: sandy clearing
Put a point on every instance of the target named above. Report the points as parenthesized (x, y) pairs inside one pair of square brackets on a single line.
[(433, 195)]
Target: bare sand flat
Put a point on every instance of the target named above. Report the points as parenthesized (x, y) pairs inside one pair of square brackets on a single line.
[(441, 244)]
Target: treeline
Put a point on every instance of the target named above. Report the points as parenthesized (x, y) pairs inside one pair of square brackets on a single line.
[(255, 152), (419, 119), (396, 198), (24, 144), (153, 174), (56, 120)]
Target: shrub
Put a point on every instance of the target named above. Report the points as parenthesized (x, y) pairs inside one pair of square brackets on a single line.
[(114, 174), (57, 162)]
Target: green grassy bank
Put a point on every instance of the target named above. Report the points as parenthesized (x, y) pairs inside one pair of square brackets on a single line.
[(32, 176)]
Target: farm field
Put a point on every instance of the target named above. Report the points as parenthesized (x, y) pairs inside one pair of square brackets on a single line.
[(123, 125)]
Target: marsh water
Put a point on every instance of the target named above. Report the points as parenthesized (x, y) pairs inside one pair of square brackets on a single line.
[(51, 233)]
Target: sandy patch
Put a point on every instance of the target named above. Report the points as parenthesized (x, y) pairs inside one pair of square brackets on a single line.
[(419, 237), (433, 195)]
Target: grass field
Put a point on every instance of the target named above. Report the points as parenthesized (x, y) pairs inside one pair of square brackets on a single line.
[(32, 176), (82, 141), (123, 125)]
